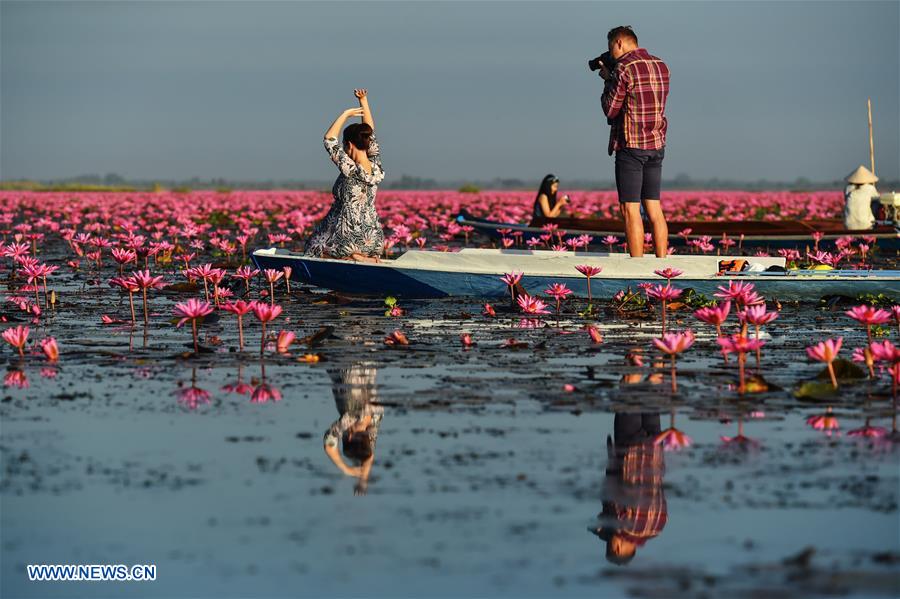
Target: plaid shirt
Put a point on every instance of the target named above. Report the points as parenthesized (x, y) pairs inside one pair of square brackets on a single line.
[(644, 514), (634, 100)]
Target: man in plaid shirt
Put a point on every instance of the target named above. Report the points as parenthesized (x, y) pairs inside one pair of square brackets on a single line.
[(634, 100)]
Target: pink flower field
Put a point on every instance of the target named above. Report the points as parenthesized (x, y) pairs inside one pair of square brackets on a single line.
[(425, 213)]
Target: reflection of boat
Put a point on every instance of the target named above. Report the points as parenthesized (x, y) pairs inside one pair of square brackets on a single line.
[(774, 234), (477, 272)]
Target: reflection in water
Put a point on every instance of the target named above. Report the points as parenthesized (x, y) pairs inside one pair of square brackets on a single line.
[(634, 502), (356, 430), (635, 357), (827, 422), (264, 392), (740, 441), (17, 379), (192, 396), (238, 386)]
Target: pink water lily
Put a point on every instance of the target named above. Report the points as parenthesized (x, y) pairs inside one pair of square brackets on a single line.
[(284, 340), (673, 344), (885, 351), (757, 316), (245, 273), (50, 349), (272, 276), (594, 333), (826, 351), (265, 313), (192, 310), (559, 292), (740, 292), (715, 316), (868, 316), (512, 279), (239, 309), (589, 271), (668, 273), (17, 337), (895, 312), (144, 281), (532, 305), (665, 294), (740, 345), (131, 287)]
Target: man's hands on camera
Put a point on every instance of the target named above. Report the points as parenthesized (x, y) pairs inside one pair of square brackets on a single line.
[(605, 73)]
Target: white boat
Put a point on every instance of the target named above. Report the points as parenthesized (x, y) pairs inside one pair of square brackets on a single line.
[(478, 272)]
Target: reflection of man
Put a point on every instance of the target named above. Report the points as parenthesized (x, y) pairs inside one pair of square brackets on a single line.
[(357, 429), (634, 503)]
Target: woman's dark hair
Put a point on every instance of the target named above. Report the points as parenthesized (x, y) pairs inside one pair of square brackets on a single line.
[(548, 181), (359, 134), (359, 447)]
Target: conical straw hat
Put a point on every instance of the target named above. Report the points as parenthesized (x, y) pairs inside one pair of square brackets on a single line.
[(861, 176)]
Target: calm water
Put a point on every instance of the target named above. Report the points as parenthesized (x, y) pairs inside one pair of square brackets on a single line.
[(488, 476)]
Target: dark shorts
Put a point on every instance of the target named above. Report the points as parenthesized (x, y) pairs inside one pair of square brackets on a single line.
[(639, 174)]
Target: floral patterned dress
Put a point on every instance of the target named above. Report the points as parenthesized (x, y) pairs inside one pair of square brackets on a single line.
[(351, 224), (354, 391)]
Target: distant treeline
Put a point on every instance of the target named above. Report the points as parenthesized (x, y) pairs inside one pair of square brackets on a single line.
[(115, 182)]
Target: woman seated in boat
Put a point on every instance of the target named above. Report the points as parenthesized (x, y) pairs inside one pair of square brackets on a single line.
[(546, 205), (351, 229)]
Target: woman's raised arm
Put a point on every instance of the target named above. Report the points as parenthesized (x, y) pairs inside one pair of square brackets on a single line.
[(338, 123), (363, 96)]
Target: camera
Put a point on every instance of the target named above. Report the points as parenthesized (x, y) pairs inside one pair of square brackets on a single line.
[(605, 59)]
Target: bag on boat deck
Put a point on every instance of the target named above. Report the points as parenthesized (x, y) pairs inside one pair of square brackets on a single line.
[(737, 265)]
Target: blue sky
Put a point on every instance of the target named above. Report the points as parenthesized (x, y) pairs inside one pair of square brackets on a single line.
[(244, 90)]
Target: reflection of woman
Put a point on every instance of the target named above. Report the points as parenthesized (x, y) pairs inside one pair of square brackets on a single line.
[(357, 428), (546, 205), (351, 228), (634, 503)]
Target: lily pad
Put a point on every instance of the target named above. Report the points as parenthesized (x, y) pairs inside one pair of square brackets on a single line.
[(816, 390), (757, 384), (183, 287), (844, 370), (318, 337)]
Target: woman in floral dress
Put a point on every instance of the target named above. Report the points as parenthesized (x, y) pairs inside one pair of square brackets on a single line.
[(351, 229)]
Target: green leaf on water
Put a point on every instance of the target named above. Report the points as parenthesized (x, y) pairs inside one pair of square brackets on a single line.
[(816, 390), (844, 370), (390, 301)]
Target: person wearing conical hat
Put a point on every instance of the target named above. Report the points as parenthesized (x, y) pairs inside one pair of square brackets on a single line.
[(858, 197)]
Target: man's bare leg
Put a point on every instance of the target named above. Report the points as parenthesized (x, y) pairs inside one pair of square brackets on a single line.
[(660, 228), (634, 228)]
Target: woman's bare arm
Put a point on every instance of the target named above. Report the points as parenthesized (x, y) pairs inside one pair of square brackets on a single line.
[(363, 96), (338, 123), (545, 206), (335, 456)]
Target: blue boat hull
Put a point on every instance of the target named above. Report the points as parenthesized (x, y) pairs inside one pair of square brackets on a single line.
[(382, 280)]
